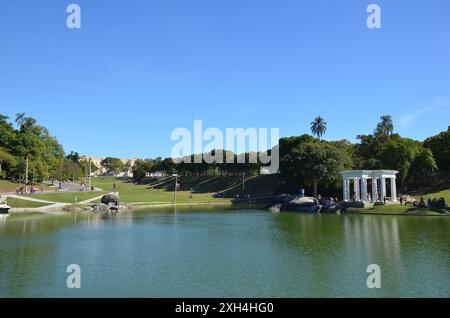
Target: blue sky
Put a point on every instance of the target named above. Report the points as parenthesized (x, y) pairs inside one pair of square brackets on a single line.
[(138, 69)]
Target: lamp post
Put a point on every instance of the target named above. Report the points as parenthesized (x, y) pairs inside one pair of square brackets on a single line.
[(26, 175), (90, 175), (175, 190)]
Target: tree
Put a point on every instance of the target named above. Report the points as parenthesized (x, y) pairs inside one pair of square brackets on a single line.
[(7, 134), (140, 169), (422, 164), (440, 147), (306, 160), (386, 126), (20, 119), (318, 126), (87, 165), (399, 153), (74, 156), (7, 161), (112, 165)]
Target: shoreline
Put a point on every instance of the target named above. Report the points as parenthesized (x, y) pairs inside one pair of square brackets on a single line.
[(52, 210), (398, 214), (59, 210)]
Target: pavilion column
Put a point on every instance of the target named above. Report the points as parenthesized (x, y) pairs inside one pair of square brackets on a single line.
[(393, 190), (344, 189), (357, 190), (364, 189), (383, 188), (347, 189), (347, 181), (374, 189)]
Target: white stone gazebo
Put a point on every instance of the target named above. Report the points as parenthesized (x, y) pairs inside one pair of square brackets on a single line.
[(377, 178)]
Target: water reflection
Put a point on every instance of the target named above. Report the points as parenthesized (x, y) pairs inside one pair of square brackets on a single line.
[(3, 218), (210, 252), (372, 234)]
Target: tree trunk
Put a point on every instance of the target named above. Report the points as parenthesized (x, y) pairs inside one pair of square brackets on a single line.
[(315, 182)]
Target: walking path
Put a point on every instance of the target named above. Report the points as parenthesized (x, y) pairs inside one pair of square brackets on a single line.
[(52, 207), (27, 198)]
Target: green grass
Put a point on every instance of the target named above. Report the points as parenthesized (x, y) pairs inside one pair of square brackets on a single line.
[(10, 186), (444, 193), (408, 209), (7, 186), (17, 203), (139, 194), (65, 197), (398, 210)]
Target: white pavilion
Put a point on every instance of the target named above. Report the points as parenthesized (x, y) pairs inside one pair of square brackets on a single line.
[(359, 179)]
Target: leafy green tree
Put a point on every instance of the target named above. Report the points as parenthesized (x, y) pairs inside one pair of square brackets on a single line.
[(440, 146), (7, 161), (140, 169), (74, 156), (422, 164), (398, 154), (312, 162), (112, 165)]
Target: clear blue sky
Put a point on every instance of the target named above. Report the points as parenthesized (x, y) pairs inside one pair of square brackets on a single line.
[(138, 69)]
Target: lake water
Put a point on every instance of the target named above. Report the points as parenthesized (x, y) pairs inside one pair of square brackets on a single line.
[(224, 253)]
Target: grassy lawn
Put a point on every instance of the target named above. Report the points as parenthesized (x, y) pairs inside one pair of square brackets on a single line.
[(66, 197), (445, 194), (7, 186), (17, 203), (139, 194), (10, 186), (399, 209)]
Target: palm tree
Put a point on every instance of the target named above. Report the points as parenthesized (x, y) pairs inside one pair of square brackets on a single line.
[(318, 126), (20, 119), (386, 126)]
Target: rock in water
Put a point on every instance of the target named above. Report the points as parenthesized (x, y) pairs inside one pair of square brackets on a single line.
[(100, 207), (110, 199)]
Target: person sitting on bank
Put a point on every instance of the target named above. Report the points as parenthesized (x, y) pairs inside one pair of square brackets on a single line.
[(422, 202)]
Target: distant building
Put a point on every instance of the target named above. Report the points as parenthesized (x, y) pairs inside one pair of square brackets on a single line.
[(102, 171)]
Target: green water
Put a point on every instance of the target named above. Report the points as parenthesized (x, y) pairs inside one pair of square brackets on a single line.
[(219, 253)]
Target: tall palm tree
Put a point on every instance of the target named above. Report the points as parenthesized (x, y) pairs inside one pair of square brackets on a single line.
[(20, 119), (318, 126), (386, 125)]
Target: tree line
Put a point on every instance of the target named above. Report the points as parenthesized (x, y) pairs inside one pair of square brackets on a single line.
[(305, 161), (310, 161)]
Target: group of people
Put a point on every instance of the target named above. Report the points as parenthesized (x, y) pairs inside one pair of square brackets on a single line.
[(22, 189), (327, 201), (432, 203), (85, 187)]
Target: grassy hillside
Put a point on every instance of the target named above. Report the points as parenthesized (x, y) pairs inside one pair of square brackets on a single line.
[(159, 194), (229, 186), (441, 194)]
